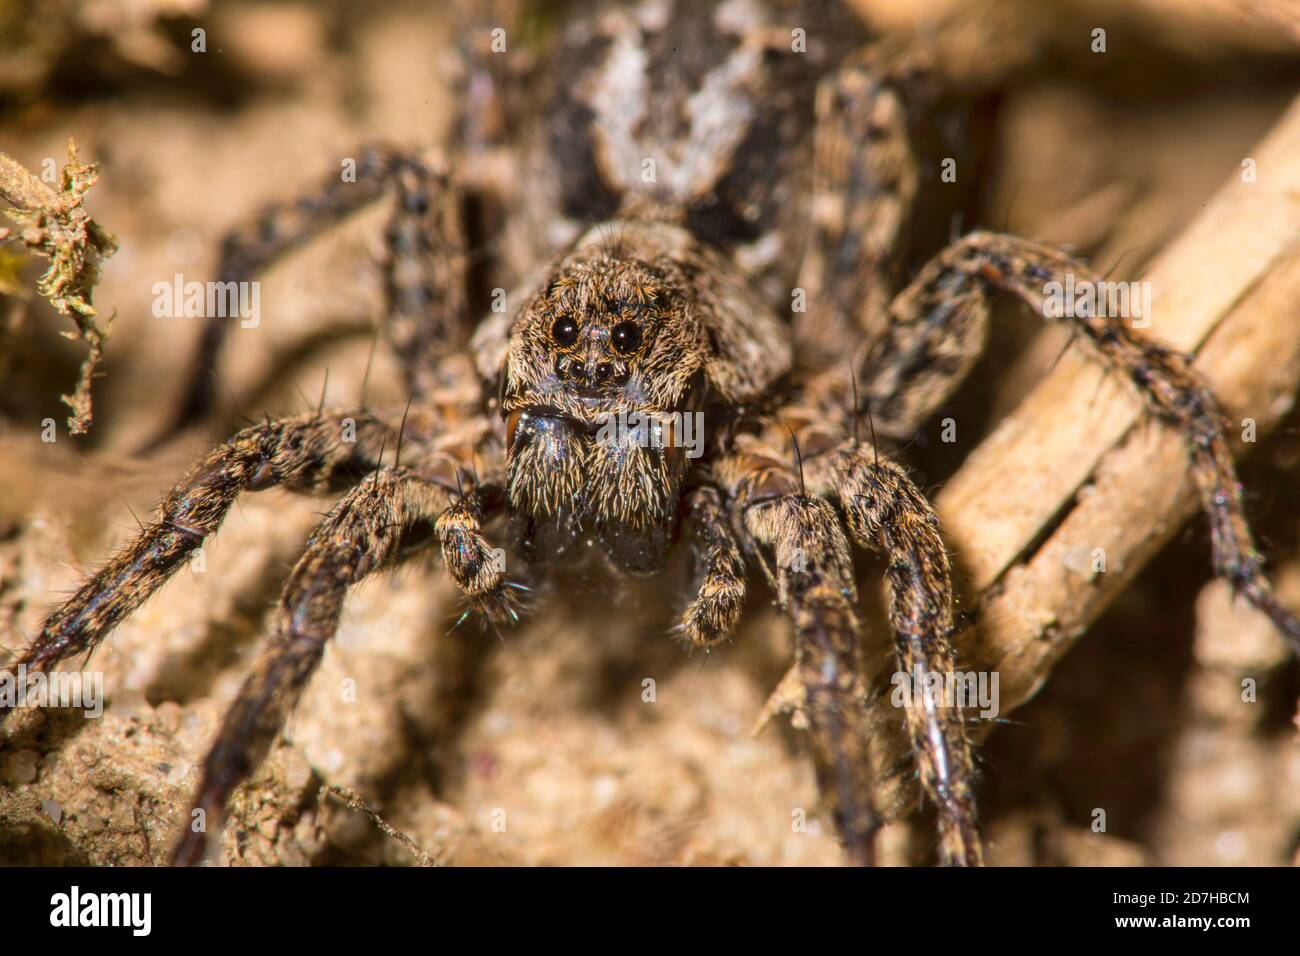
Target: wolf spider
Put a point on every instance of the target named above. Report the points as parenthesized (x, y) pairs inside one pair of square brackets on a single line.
[(772, 170)]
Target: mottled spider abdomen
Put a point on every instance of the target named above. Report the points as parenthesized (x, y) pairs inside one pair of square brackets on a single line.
[(701, 112)]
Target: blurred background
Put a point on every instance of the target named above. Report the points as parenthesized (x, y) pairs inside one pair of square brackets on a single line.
[(1109, 156)]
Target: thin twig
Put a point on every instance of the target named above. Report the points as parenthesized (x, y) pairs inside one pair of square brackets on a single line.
[(355, 802)]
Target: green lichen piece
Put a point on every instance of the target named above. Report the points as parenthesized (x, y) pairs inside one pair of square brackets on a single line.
[(56, 225)]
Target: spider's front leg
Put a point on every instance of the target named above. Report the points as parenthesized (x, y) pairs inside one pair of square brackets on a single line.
[(886, 512), (719, 598), (804, 553), (471, 560), (387, 518), (937, 329), (307, 453)]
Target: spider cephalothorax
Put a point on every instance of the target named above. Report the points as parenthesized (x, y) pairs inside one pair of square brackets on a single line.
[(606, 361), (739, 148)]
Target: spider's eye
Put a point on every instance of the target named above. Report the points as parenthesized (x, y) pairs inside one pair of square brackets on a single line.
[(626, 337), (564, 331)]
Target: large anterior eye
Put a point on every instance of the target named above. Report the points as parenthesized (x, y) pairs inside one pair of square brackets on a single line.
[(626, 337), (564, 331)]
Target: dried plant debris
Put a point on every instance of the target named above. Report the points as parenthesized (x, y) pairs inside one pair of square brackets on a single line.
[(354, 801), (57, 225)]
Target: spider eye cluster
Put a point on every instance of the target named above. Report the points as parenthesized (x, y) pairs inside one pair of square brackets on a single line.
[(626, 336)]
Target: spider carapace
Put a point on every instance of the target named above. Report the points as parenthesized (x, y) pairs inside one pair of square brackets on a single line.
[(684, 217)]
